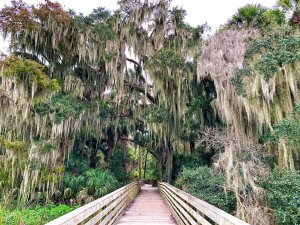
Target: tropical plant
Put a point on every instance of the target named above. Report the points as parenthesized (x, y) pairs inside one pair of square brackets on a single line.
[(289, 4), (93, 183), (249, 15), (257, 16)]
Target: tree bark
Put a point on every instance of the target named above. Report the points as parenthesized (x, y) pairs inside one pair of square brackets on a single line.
[(169, 164), (124, 144), (140, 162), (110, 141), (145, 166)]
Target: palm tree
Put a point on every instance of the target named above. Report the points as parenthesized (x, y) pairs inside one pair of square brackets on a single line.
[(289, 5), (249, 15)]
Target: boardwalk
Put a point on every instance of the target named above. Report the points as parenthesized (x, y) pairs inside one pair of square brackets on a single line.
[(148, 208), (136, 205)]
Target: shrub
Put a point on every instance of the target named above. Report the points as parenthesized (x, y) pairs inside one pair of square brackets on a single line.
[(181, 161), (93, 183), (206, 184), (33, 216), (283, 192), (100, 182)]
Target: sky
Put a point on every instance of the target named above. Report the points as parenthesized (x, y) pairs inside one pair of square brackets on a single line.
[(214, 12)]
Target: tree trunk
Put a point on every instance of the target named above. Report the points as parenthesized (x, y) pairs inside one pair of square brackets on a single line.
[(159, 166), (192, 147), (124, 144), (169, 165), (110, 142), (140, 162), (187, 148), (145, 166)]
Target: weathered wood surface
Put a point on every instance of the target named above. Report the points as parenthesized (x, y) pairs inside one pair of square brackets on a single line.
[(105, 210), (188, 209), (147, 209)]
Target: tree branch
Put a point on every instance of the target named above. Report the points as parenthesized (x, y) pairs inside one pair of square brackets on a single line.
[(141, 90), (145, 146)]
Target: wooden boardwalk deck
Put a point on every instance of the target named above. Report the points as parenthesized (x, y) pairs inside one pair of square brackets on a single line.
[(148, 208)]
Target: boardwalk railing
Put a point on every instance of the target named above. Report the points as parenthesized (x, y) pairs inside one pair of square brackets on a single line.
[(105, 210), (188, 209)]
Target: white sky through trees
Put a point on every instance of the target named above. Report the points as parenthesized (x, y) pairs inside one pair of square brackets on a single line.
[(214, 12)]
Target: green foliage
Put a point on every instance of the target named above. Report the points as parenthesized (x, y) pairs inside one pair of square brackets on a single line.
[(257, 16), (77, 164), (289, 4), (98, 23), (276, 49), (283, 191), (286, 4), (29, 71), (142, 139), (37, 215), (249, 15), (206, 184), (106, 111), (46, 146), (183, 161), (156, 114), (238, 79), (288, 129), (272, 18), (195, 117), (200, 102), (17, 146), (104, 32), (63, 105), (117, 167), (93, 182), (166, 58), (100, 14), (84, 182), (100, 182)]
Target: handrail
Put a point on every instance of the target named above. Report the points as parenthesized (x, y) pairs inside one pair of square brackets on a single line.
[(105, 210), (188, 209)]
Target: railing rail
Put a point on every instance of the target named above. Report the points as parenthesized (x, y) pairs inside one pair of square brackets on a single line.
[(188, 209), (105, 210)]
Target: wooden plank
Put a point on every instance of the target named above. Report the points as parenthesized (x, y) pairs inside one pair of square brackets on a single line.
[(148, 208)]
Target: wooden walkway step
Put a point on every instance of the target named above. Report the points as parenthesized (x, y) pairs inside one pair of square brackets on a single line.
[(148, 208)]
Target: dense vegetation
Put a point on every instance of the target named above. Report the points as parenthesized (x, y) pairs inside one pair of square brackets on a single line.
[(217, 116), (33, 216), (208, 185)]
